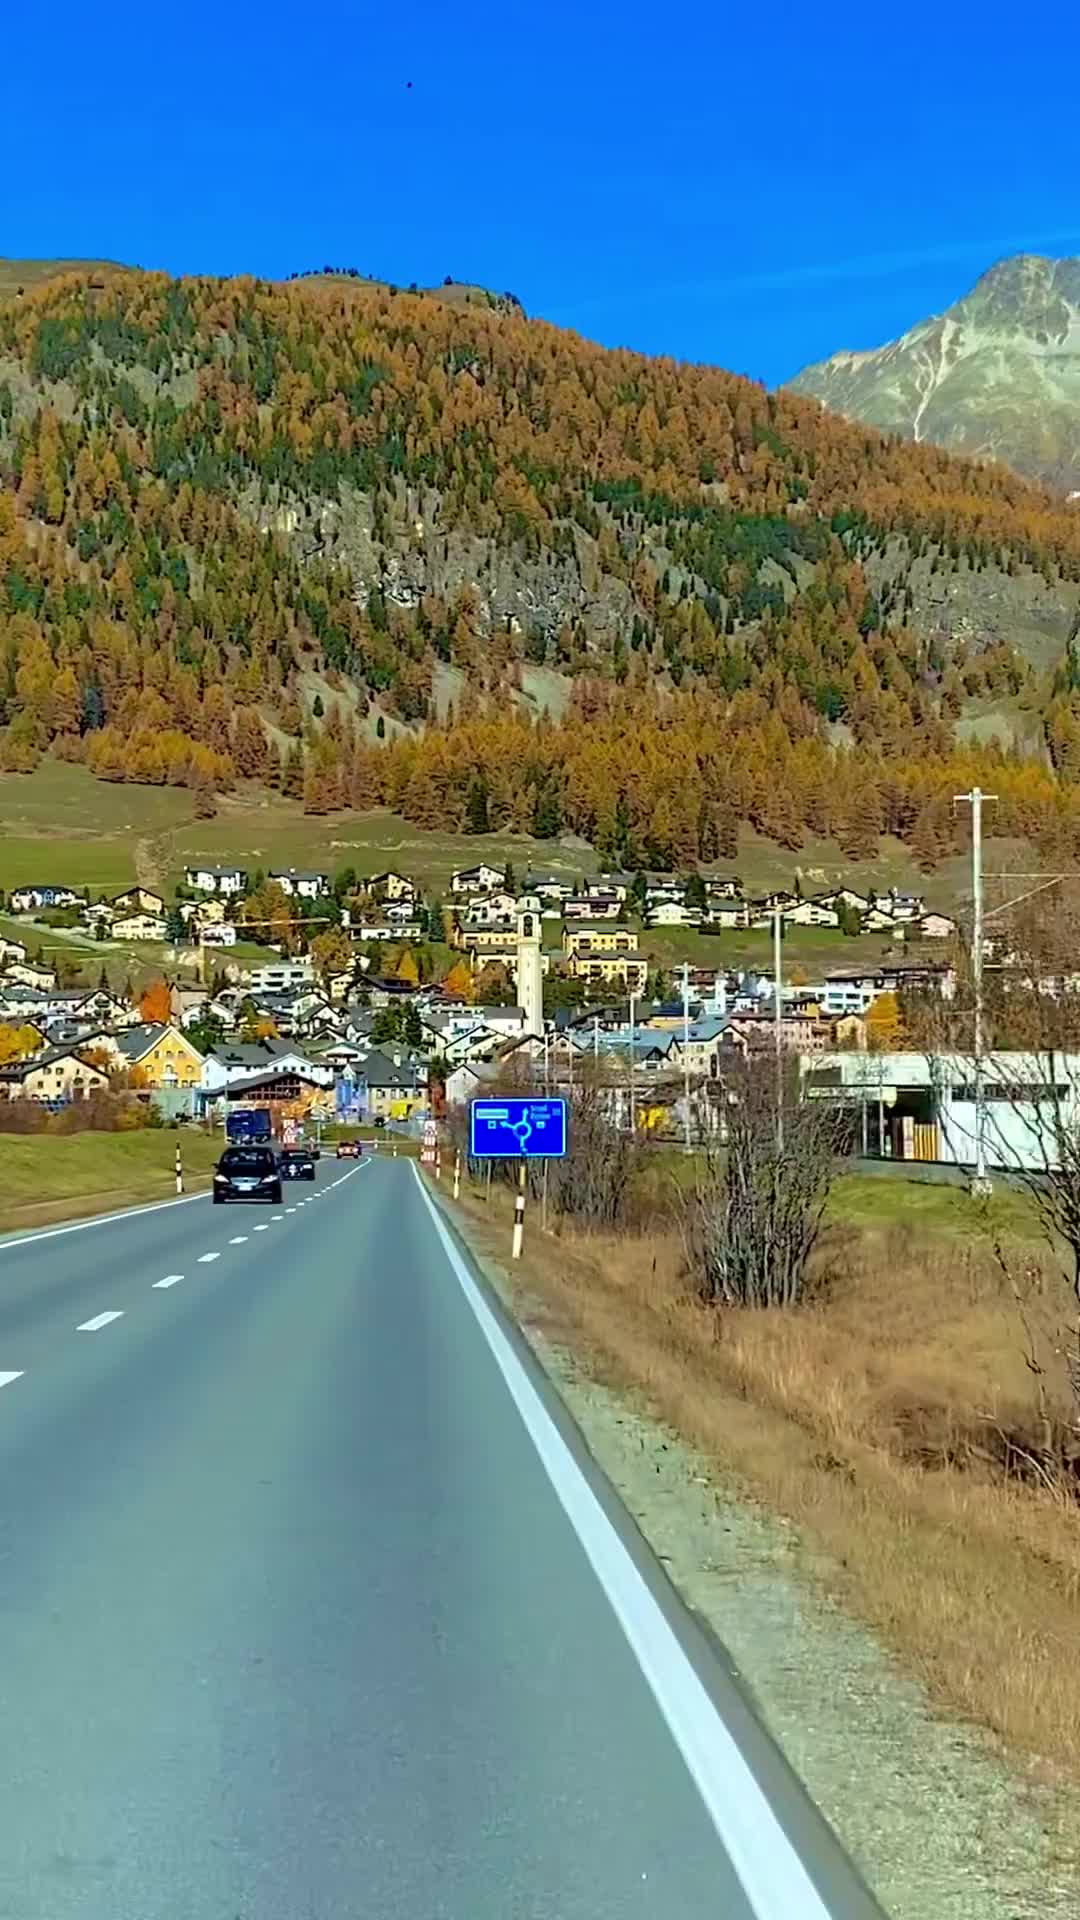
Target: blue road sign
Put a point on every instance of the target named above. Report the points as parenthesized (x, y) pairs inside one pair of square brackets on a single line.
[(518, 1129)]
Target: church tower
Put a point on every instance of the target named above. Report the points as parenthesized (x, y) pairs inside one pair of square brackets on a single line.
[(530, 973)]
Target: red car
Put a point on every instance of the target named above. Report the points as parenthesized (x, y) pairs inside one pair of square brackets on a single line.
[(349, 1150)]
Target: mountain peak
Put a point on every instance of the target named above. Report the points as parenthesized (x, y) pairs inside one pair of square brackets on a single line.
[(997, 375), (1027, 290)]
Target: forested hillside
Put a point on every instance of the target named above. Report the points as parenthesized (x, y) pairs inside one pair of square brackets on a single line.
[(213, 491)]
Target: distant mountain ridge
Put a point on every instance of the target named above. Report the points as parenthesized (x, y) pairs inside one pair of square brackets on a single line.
[(19, 277), (995, 376)]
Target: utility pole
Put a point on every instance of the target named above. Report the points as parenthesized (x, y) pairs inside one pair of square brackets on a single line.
[(686, 1054), (778, 1028), (633, 1085), (980, 1182)]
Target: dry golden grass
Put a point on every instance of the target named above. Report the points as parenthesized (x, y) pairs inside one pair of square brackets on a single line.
[(874, 1420)]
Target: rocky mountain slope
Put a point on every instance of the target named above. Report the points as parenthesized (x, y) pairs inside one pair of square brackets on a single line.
[(997, 376)]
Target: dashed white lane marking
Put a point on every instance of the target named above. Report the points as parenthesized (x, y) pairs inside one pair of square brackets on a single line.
[(277, 1216), (100, 1320), (170, 1280), (263, 1226), (7, 1378), (238, 1240), (290, 1209), (205, 1258)]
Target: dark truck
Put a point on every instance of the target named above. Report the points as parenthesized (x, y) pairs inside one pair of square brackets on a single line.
[(248, 1127)]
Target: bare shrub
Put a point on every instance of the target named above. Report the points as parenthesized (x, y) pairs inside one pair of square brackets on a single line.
[(753, 1217), (594, 1184), (102, 1111)]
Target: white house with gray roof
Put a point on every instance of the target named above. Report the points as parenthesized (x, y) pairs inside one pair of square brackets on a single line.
[(208, 879)]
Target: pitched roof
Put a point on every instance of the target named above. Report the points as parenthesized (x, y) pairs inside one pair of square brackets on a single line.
[(18, 1069), (602, 926), (250, 1053), (269, 1077), (645, 1041), (709, 1028), (134, 1042), (380, 1071)]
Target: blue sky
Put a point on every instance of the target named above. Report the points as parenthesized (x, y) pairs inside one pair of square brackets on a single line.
[(750, 188)]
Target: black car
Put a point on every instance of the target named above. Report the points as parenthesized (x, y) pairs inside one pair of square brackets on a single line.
[(247, 1173), (297, 1163)]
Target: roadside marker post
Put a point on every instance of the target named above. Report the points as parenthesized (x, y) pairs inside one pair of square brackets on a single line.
[(457, 1175), (519, 1215), (179, 1171)]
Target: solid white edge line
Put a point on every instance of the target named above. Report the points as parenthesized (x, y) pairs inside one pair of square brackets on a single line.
[(170, 1280), (7, 1378), (100, 1320), (101, 1220), (766, 1864)]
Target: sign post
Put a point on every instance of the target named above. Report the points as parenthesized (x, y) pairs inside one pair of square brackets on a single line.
[(519, 1130)]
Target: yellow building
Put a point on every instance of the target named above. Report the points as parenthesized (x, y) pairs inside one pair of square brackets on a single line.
[(593, 939), (161, 1056), (849, 1032), (487, 940), (58, 1075), (611, 969)]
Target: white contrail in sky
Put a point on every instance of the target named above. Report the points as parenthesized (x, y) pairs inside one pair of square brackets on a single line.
[(867, 266)]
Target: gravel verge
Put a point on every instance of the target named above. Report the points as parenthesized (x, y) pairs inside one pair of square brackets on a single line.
[(941, 1825)]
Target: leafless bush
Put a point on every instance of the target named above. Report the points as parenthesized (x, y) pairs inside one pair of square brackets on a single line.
[(1034, 1132), (752, 1219), (594, 1183)]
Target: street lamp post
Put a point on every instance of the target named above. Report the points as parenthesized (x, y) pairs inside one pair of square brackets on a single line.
[(980, 1182), (686, 1054), (778, 1029)]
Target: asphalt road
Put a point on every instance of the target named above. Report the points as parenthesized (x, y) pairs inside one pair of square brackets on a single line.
[(309, 1611)]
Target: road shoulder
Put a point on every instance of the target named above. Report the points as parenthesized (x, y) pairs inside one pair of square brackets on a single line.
[(941, 1826)]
